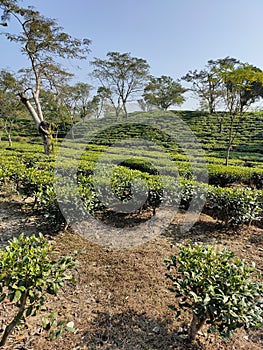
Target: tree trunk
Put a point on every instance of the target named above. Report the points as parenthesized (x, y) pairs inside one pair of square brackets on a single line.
[(10, 143), (125, 110), (47, 144), (220, 126), (211, 107), (30, 108), (37, 120), (14, 322), (230, 139), (227, 154), (195, 326), (38, 105), (8, 133), (220, 119)]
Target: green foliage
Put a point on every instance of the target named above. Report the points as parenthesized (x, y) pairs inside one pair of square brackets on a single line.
[(234, 206), (221, 175), (33, 177), (218, 288), (163, 92), (247, 146), (46, 202), (56, 327), (28, 272), (42, 40), (121, 76)]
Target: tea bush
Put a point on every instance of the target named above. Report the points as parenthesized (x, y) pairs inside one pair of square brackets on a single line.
[(219, 289), (234, 206), (221, 175), (28, 272)]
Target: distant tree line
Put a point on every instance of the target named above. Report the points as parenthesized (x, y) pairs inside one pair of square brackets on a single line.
[(45, 90)]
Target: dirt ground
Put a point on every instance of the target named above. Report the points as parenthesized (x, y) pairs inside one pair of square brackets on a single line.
[(120, 299)]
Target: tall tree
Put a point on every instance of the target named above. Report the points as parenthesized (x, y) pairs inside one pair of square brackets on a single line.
[(75, 99), (122, 76), (98, 104), (81, 97), (42, 41), (9, 105), (145, 106), (206, 85), (241, 86), (7, 114), (253, 90), (163, 92)]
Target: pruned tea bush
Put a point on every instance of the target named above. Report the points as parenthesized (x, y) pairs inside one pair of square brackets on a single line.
[(220, 289), (28, 272)]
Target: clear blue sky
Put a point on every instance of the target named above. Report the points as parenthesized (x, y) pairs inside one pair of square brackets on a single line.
[(174, 36)]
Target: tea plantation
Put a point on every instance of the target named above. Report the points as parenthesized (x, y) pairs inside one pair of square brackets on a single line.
[(234, 193)]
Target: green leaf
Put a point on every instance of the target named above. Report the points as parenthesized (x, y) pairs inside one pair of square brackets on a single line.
[(207, 299), (45, 322), (17, 296), (22, 288), (59, 332), (25, 259), (226, 298), (71, 329), (61, 322), (29, 310), (194, 295), (51, 335)]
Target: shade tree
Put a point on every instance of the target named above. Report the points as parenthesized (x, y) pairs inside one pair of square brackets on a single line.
[(43, 42), (205, 85), (101, 102), (75, 99), (230, 85), (9, 105), (241, 85), (163, 92), (145, 106), (121, 77)]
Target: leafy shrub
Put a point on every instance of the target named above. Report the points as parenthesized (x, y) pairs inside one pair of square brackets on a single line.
[(141, 165), (217, 287), (221, 175), (46, 202), (189, 190), (27, 274), (234, 206)]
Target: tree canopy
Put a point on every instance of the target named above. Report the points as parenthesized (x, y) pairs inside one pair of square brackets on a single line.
[(206, 85), (42, 41), (210, 84), (163, 92), (241, 85), (122, 75)]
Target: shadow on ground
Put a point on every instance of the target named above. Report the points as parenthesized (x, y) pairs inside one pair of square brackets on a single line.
[(17, 217), (129, 331)]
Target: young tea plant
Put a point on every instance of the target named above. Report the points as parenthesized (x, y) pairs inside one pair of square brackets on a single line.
[(27, 274), (219, 289)]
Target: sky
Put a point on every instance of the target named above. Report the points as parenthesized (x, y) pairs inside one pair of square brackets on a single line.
[(173, 36)]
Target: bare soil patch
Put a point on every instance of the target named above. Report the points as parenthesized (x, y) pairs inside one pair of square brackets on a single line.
[(121, 297)]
